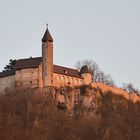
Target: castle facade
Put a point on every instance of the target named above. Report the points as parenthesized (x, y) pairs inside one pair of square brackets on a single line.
[(40, 72)]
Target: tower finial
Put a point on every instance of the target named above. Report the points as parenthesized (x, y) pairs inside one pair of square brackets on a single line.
[(47, 36), (47, 25)]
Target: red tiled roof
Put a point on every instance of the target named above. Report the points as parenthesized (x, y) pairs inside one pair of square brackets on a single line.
[(84, 69), (7, 73), (35, 62)]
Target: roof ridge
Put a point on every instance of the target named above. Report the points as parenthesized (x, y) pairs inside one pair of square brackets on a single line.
[(7, 73), (66, 67), (29, 58)]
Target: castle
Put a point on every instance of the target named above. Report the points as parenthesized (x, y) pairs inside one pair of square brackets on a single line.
[(40, 72)]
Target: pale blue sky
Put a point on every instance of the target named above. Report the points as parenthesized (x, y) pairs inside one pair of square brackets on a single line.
[(106, 31)]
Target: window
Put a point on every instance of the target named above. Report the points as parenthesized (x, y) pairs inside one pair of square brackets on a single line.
[(65, 72)]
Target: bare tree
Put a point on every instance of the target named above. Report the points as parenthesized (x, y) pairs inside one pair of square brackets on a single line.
[(97, 74), (130, 88)]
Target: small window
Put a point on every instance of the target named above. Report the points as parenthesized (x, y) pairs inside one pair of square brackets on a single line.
[(68, 83), (65, 72)]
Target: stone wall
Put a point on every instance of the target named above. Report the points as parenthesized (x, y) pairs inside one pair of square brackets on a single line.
[(119, 91), (7, 84), (25, 78), (87, 78)]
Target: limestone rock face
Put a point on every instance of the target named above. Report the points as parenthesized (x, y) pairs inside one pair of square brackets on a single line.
[(86, 98), (65, 98), (68, 98)]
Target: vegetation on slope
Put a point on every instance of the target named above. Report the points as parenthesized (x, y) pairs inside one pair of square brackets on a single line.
[(25, 116)]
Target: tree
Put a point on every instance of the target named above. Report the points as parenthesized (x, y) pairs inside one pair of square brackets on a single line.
[(11, 65), (97, 74), (130, 88)]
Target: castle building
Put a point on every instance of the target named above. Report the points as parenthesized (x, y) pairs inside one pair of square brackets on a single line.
[(40, 72)]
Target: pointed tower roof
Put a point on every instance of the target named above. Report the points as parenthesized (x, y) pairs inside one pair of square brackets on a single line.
[(47, 36), (85, 69)]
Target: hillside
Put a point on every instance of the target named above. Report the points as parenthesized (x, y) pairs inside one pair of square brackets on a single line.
[(129, 96), (80, 113)]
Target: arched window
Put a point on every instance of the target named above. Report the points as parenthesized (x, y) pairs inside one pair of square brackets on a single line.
[(68, 79), (77, 81), (72, 79)]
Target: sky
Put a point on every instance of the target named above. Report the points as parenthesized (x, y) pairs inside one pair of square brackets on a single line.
[(106, 31)]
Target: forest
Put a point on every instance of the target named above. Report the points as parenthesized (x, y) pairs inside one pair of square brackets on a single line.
[(106, 116)]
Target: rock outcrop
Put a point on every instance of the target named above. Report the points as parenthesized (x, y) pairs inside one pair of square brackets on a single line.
[(86, 97)]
